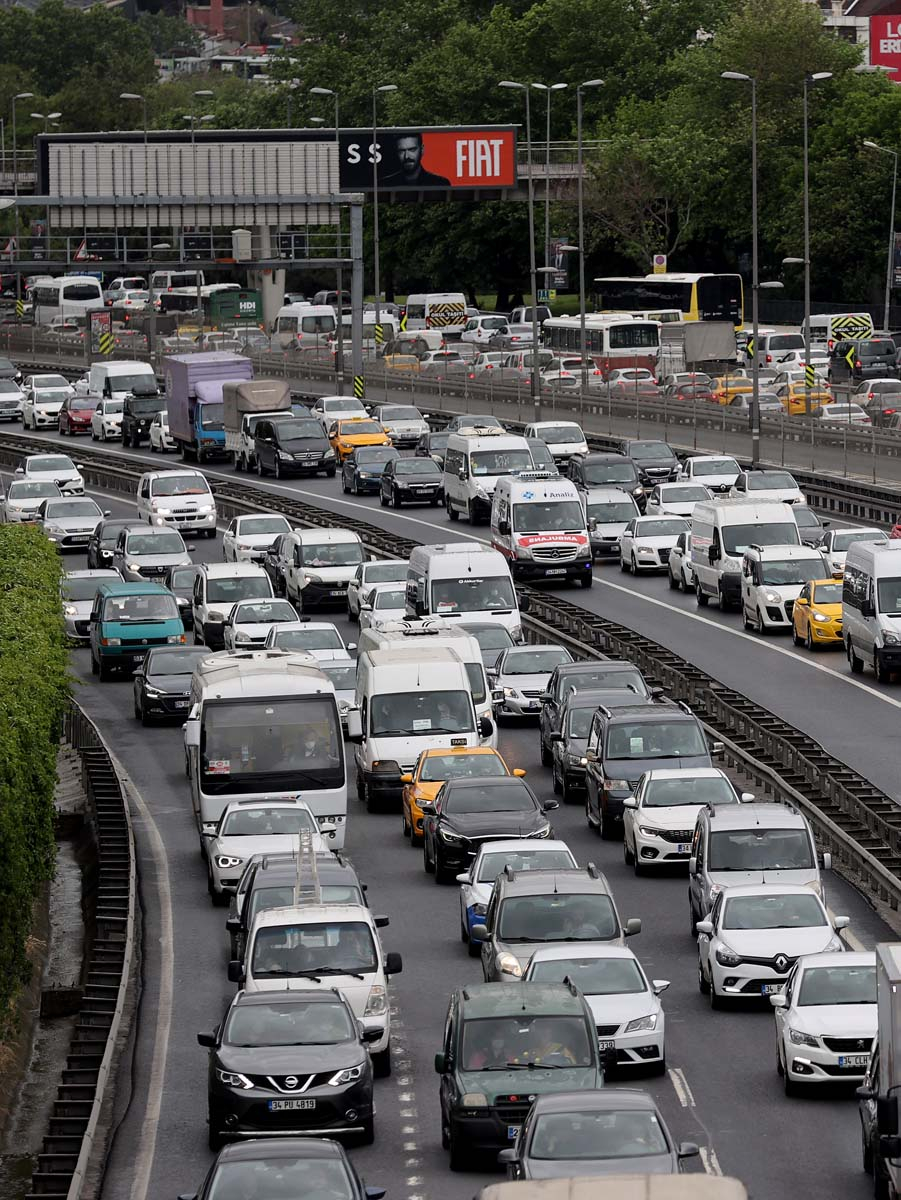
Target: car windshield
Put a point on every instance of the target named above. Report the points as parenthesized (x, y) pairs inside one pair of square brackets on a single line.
[(308, 639), (155, 543), (643, 450), (152, 607), (50, 381), (241, 587), (888, 592), (536, 660), (671, 793), (331, 554), (612, 512), (145, 405), (715, 466), (473, 594), (316, 1179), (671, 527), (580, 722), (332, 948), (656, 739), (55, 396), (557, 917), (790, 572), (266, 822), (498, 797), (437, 767), (253, 526), (842, 542), (554, 434), (760, 850), (285, 1023), (737, 538), (827, 593), (417, 466), (113, 406), (48, 463), (174, 661), (805, 518), (357, 428), (212, 415), (490, 637), (597, 1135), (293, 431), (592, 976), (772, 912), (684, 494), (343, 676), (180, 485), (339, 405), (263, 614), (78, 403), (73, 508), (598, 677), (494, 1043), (837, 985), (370, 456), (82, 587), (760, 481), (543, 517), (421, 713), (384, 572), (500, 462), (400, 414), (438, 441), (491, 865), (595, 474), (389, 598)]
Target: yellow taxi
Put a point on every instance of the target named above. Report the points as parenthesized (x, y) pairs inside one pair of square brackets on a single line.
[(434, 767), (726, 386), (401, 362), (794, 398), (817, 614), (347, 436)]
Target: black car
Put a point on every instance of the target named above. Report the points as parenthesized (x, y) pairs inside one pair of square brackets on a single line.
[(411, 481), (863, 358), (180, 581), (602, 469), (466, 811), (493, 640), (292, 446), (304, 1055), (138, 411), (655, 461), (162, 683), (433, 445), (583, 676), (810, 527), (103, 541), (362, 470), (9, 370), (276, 1168), (542, 458)]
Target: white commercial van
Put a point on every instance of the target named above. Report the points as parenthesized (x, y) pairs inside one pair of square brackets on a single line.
[(772, 580), (116, 378), (170, 281), (828, 328), (463, 581), (264, 724), (721, 532), (473, 463), (871, 607), (539, 525), (409, 701), (436, 310), (304, 326)]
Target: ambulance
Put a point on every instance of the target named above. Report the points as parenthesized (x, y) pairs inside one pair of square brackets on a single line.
[(539, 525)]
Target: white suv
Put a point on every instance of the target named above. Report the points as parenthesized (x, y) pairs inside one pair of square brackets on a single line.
[(771, 581)]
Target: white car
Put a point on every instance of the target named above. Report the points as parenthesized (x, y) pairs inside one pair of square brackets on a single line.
[(480, 330), (249, 827), (819, 360), (520, 854), (521, 675), (767, 485), (715, 472), (47, 382), (625, 1004), (835, 543), (12, 398), (404, 424), (106, 420), (843, 414), (487, 361), (134, 299), (53, 468), (754, 935), (24, 498), (383, 602), (564, 438), (69, 522), (320, 639), (386, 570), (329, 408), (122, 284), (678, 569), (250, 621), (826, 1020), (41, 407), (659, 820), (341, 670), (248, 538), (630, 375), (77, 590), (790, 374), (559, 381), (675, 499), (161, 440), (646, 542)]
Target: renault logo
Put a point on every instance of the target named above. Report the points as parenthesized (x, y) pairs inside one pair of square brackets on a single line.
[(291, 1081), (781, 963)]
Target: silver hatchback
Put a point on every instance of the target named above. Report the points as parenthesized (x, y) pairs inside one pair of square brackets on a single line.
[(148, 552)]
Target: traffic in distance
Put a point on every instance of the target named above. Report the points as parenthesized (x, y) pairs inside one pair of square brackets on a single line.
[(288, 727)]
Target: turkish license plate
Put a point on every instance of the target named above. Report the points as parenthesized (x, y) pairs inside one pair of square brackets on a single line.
[(80, 537), (182, 703), (337, 592), (290, 1105), (771, 989), (854, 1060), (512, 1131), (683, 848), (556, 571), (604, 1046)]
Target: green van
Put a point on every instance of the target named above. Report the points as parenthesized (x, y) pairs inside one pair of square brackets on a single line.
[(127, 620)]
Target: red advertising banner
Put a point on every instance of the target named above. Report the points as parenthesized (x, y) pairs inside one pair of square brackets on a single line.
[(429, 159), (885, 44)]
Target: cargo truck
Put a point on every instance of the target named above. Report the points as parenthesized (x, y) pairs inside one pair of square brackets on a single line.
[(194, 385), (244, 404)]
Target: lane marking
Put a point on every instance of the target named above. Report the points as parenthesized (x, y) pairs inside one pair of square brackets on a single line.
[(710, 1160), (681, 1087)]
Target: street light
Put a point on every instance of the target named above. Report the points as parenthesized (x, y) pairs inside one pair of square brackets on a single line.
[(385, 87), (583, 348), (18, 96), (143, 101), (533, 275), (548, 88), (46, 118), (891, 230), (321, 91), (809, 81)]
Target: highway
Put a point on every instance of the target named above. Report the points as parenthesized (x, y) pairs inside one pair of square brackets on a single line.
[(721, 1090)]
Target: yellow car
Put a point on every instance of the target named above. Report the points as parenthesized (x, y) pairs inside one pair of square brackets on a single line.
[(347, 436), (727, 386), (401, 362), (434, 767), (794, 400), (817, 614)]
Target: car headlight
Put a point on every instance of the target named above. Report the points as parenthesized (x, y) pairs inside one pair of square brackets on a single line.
[(516, 633), (772, 597), (176, 639), (454, 839), (508, 964), (70, 610), (111, 641), (836, 945), (53, 530), (233, 1079), (312, 577), (163, 512), (510, 693), (133, 566), (573, 760), (544, 832), (726, 957), (243, 637), (350, 1075), (649, 831), (818, 616), (285, 456), (648, 1022), (479, 910), (611, 785), (645, 549), (891, 639), (151, 692), (474, 1100), (228, 860), (329, 454), (799, 1038), (731, 564), (377, 1004), (343, 708), (205, 508)]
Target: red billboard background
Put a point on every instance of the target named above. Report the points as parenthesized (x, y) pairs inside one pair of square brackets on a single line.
[(429, 159), (885, 44)]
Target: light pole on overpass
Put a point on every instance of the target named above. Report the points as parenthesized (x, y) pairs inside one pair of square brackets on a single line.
[(321, 91), (18, 96), (891, 231), (385, 87)]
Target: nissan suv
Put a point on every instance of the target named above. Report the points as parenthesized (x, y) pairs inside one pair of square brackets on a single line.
[(588, 675)]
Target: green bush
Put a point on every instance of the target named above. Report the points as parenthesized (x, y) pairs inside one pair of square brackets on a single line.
[(34, 689)]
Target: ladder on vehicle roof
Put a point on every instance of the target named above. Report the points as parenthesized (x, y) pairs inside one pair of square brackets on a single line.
[(306, 885)]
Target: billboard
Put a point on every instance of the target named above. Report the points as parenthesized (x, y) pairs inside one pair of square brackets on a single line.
[(885, 43), (428, 159), (896, 261)]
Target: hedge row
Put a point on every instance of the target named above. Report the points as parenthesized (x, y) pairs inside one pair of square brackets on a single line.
[(34, 688)]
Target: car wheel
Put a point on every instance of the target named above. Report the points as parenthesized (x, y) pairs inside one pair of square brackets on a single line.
[(459, 1159), (780, 1070), (355, 486), (330, 472), (761, 628), (547, 757), (278, 468), (260, 471), (353, 617), (471, 512), (628, 856), (879, 670), (701, 596), (219, 899), (443, 874), (855, 663), (721, 600), (405, 826), (395, 498), (555, 779), (344, 488), (745, 623), (464, 932), (215, 1140), (452, 513), (94, 668), (383, 500), (788, 1084), (715, 1001), (105, 671), (608, 828), (367, 1137), (809, 643), (866, 1153), (381, 1063), (586, 580), (673, 583), (361, 787), (633, 566), (427, 865), (796, 637), (703, 984), (145, 717)]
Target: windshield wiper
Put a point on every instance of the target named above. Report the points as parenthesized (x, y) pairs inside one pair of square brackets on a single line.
[(313, 972), (536, 1066), (503, 1067)]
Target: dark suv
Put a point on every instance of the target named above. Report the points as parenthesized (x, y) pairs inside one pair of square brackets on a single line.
[(623, 743), (502, 1048), (583, 676), (863, 358), (608, 470), (138, 411), (292, 446), (655, 461)]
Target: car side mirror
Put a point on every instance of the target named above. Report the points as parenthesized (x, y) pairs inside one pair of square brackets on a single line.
[(408, 778), (556, 737), (655, 692), (486, 728), (206, 1039), (841, 923), (518, 772), (233, 924), (465, 877), (394, 964), (779, 1000), (887, 1116), (382, 922), (713, 554), (659, 985), (632, 926), (865, 1093), (630, 802), (524, 603), (187, 1196), (440, 1063), (747, 797), (686, 1150), (354, 725), (802, 601), (827, 861), (192, 730), (705, 927), (20, 470), (716, 748), (479, 932), (545, 698), (375, 1193), (506, 1156), (504, 528), (236, 971), (890, 1147), (550, 805), (351, 645), (693, 865)]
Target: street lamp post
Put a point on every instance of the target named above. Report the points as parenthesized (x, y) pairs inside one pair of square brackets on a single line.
[(809, 81), (548, 89), (47, 118), (143, 102), (891, 232), (18, 96), (320, 91), (385, 87), (193, 118), (583, 344)]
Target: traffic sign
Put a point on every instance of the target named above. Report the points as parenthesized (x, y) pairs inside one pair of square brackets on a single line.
[(749, 349), (849, 358), (20, 308), (543, 295), (810, 374), (659, 262), (379, 334)]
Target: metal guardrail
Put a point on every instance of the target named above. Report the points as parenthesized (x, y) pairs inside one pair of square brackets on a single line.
[(855, 820)]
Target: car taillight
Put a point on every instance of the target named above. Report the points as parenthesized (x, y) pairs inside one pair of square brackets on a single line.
[(889, 411), (857, 363), (769, 358), (472, 375), (830, 343)]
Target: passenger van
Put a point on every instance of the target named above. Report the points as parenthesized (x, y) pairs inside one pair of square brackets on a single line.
[(180, 498), (437, 310), (117, 378), (771, 347), (304, 326), (127, 620), (721, 532), (409, 700), (71, 296), (473, 463), (462, 581), (169, 281), (264, 724), (539, 525), (828, 328), (389, 324), (871, 607)]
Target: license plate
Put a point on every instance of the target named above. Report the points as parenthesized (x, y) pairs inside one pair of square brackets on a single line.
[(605, 1046), (771, 989), (182, 703), (512, 1131), (854, 1060), (80, 537), (290, 1105), (683, 848), (556, 571), (337, 592)]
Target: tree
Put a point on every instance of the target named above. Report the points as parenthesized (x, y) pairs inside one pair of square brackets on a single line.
[(170, 35)]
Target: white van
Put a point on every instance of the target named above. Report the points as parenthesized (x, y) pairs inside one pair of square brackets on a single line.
[(169, 281), (772, 346), (871, 607), (182, 498), (473, 463), (321, 564), (721, 532), (772, 578), (828, 328), (431, 633), (371, 343), (304, 326), (436, 310), (409, 700), (463, 581), (116, 378), (539, 525)]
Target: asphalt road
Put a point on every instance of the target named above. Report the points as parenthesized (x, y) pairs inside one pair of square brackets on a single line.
[(721, 1091)]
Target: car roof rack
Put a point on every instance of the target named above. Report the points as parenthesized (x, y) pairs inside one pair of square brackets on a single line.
[(593, 871), (306, 886)]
